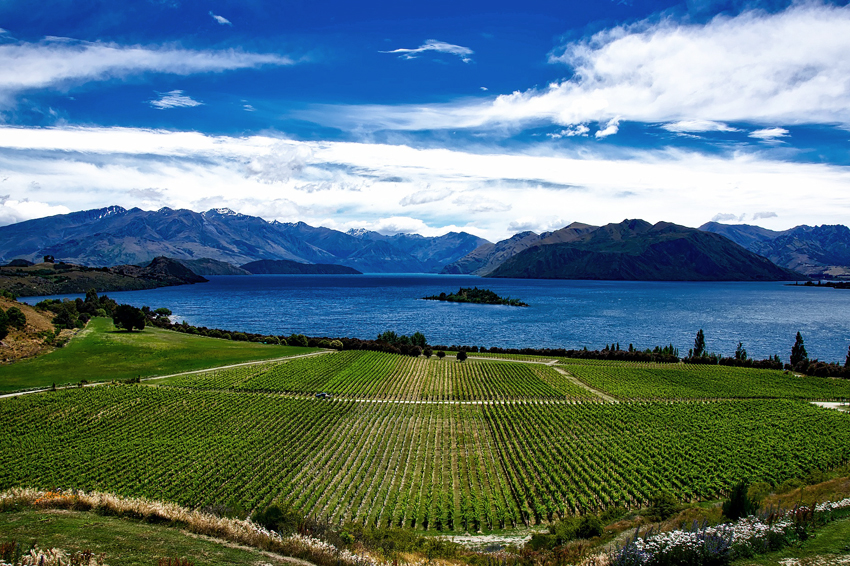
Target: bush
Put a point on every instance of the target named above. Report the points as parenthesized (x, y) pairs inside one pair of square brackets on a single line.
[(284, 520), (789, 485), (336, 344), (4, 324), (758, 491), (16, 318), (612, 514), (739, 505), (297, 340), (589, 527), (662, 506)]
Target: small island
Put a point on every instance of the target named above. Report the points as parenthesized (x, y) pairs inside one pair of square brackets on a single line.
[(476, 296)]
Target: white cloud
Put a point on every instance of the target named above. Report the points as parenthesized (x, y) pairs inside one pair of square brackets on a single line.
[(425, 196), (60, 63), (785, 68), (221, 20), (572, 131), (769, 134), (689, 126), (724, 217), (610, 129), (536, 224), (344, 184), (484, 88), (248, 108), (438, 46), (12, 210), (174, 99), (762, 215)]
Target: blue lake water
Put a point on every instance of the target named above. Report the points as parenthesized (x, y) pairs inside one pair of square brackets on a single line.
[(570, 314)]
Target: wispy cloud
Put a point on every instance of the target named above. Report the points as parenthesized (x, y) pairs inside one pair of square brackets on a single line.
[(344, 184), (760, 68), (174, 99), (761, 215), (698, 126), (221, 19), (61, 63), (769, 134), (439, 46)]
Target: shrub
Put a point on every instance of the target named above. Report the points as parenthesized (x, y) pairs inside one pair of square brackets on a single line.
[(739, 505), (284, 520), (789, 485), (336, 344), (758, 491), (612, 514), (662, 506), (589, 527), (16, 318), (297, 340)]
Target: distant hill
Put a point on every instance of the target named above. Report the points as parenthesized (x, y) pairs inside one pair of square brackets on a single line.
[(286, 267), (61, 278), (815, 251), (637, 250), (207, 266), (114, 235), (487, 257)]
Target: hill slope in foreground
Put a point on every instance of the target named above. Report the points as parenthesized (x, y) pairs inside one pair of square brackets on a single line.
[(431, 444)]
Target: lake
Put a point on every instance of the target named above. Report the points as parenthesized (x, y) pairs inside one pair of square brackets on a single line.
[(569, 314)]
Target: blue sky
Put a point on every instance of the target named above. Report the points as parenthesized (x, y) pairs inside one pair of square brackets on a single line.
[(489, 117)]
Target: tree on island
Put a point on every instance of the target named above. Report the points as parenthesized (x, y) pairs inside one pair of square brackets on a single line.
[(461, 356), (798, 351), (128, 317)]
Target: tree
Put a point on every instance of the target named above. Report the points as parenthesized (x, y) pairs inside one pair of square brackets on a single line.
[(4, 324), (740, 352), (428, 352), (699, 345), (798, 351), (441, 354), (418, 339), (461, 356), (16, 318), (162, 312), (128, 317), (847, 359), (297, 340), (739, 504)]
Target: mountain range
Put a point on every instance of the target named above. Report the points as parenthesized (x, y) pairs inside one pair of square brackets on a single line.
[(114, 235), (630, 250), (817, 251)]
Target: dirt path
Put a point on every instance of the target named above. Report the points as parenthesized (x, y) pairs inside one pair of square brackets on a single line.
[(551, 364), (583, 385)]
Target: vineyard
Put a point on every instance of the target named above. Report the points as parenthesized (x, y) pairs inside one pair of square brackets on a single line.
[(434, 465), (632, 380), (373, 375)]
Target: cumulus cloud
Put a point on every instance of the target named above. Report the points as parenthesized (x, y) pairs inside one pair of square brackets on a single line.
[(221, 20), (12, 210), (783, 68), (60, 63), (610, 129), (174, 99), (769, 134), (438, 46), (572, 131)]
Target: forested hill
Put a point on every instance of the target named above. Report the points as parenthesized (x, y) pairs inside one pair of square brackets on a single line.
[(639, 251)]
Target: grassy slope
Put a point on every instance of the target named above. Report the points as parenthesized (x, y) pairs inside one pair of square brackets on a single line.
[(830, 544), (99, 353), (124, 541)]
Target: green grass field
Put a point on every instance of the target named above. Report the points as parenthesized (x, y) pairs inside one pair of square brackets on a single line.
[(100, 353), (123, 541)]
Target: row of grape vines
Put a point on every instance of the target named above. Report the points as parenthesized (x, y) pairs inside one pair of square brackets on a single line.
[(374, 375), (686, 381), (425, 465)]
